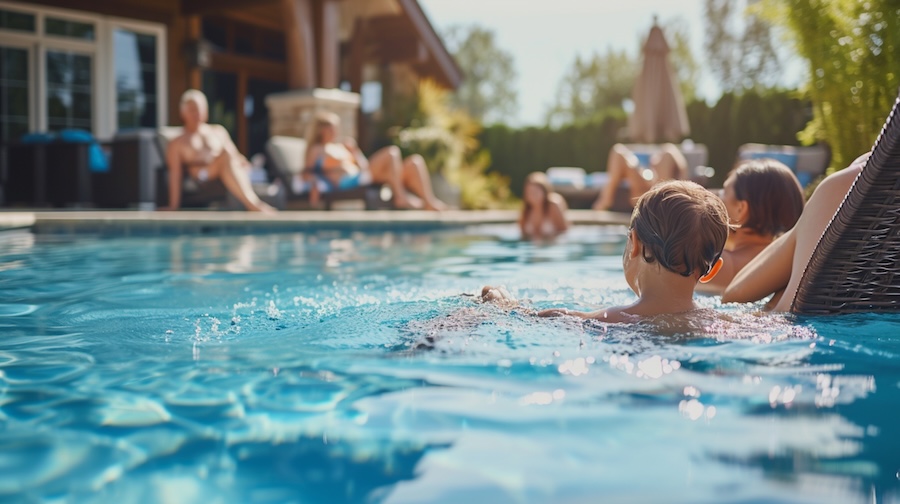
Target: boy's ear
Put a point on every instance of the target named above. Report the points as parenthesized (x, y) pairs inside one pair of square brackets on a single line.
[(713, 270), (637, 248)]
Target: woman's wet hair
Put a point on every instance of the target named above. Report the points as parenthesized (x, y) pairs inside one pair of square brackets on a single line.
[(539, 179), (773, 194), (682, 226)]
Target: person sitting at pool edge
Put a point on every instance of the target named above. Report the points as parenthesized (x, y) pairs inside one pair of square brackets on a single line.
[(675, 240), (543, 214), (764, 199), (622, 164), (208, 153), (342, 165)]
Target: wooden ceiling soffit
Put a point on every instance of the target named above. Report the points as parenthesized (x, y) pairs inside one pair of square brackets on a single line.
[(399, 50), (195, 7)]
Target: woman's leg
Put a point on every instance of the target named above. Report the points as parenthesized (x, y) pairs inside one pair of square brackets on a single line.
[(669, 164), (621, 165), (237, 180), (417, 179), (386, 167)]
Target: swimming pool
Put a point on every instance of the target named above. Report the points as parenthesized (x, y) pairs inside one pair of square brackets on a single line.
[(279, 368)]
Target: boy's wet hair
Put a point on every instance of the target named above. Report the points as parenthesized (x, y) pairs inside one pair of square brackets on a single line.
[(773, 194), (682, 226)]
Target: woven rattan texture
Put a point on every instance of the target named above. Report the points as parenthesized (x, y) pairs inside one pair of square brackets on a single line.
[(856, 264)]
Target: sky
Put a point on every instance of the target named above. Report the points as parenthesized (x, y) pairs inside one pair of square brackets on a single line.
[(545, 36)]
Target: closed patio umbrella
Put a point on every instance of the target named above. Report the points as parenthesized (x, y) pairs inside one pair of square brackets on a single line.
[(659, 113)]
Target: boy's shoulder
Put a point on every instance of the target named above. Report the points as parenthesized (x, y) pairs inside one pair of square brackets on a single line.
[(613, 315)]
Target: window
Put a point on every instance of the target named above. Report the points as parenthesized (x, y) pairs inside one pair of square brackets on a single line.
[(69, 91), (63, 68), (14, 89), (66, 28), (18, 21), (136, 79)]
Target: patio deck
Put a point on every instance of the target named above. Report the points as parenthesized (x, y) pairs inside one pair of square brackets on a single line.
[(126, 223)]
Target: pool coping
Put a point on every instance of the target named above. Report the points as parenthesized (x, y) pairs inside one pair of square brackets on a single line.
[(131, 222)]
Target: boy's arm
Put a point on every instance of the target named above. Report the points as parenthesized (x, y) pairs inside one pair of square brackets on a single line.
[(603, 315)]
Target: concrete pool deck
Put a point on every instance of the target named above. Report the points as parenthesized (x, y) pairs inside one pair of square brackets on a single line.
[(126, 222)]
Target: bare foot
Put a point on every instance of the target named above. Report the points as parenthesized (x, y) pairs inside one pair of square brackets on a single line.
[(601, 204), (407, 202), (436, 205)]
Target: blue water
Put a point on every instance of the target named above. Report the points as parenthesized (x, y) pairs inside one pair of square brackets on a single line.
[(282, 368)]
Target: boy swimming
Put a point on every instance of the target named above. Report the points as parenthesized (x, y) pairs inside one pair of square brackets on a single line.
[(675, 240)]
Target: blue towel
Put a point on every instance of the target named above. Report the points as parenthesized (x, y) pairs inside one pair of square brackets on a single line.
[(38, 138), (97, 161)]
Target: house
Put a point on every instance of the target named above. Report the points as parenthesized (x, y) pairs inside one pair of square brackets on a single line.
[(110, 65)]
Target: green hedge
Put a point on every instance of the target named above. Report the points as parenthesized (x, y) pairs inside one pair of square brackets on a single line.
[(774, 117)]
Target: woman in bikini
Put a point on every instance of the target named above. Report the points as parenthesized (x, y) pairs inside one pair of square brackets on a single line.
[(341, 166), (764, 200), (544, 212)]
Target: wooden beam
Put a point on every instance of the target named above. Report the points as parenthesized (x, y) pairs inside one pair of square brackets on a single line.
[(194, 32), (160, 11), (300, 42), (327, 25), (356, 57), (408, 50), (255, 68), (191, 7)]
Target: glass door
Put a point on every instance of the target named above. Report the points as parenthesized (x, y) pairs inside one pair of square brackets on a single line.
[(15, 99), (69, 84), (135, 64)]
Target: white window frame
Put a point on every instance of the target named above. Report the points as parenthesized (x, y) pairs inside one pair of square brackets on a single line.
[(104, 117), (144, 28)]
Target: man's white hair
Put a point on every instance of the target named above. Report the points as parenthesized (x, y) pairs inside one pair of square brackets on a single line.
[(196, 96)]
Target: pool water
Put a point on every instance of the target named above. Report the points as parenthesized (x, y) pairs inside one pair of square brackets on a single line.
[(290, 368)]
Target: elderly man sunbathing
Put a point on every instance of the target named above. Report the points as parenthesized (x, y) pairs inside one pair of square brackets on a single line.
[(208, 153)]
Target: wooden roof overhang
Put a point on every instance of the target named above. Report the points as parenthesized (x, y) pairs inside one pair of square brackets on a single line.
[(406, 37)]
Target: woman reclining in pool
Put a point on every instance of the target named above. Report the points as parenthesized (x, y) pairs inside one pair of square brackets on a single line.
[(764, 199), (777, 269), (341, 165)]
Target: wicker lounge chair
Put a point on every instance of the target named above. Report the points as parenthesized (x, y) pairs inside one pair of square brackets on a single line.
[(856, 264), (286, 155)]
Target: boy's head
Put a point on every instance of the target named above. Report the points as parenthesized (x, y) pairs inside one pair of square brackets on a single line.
[(682, 226)]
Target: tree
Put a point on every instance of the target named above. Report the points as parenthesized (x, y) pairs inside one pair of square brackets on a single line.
[(592, 87), (488, 90), (739, 46), (852, 49)]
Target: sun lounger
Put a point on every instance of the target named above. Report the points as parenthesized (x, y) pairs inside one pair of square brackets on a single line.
[(286, 155), (856, 264), (808, 163)]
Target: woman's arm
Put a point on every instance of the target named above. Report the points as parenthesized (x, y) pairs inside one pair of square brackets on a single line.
[(767, 273), (557, 215), (357, 154)]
